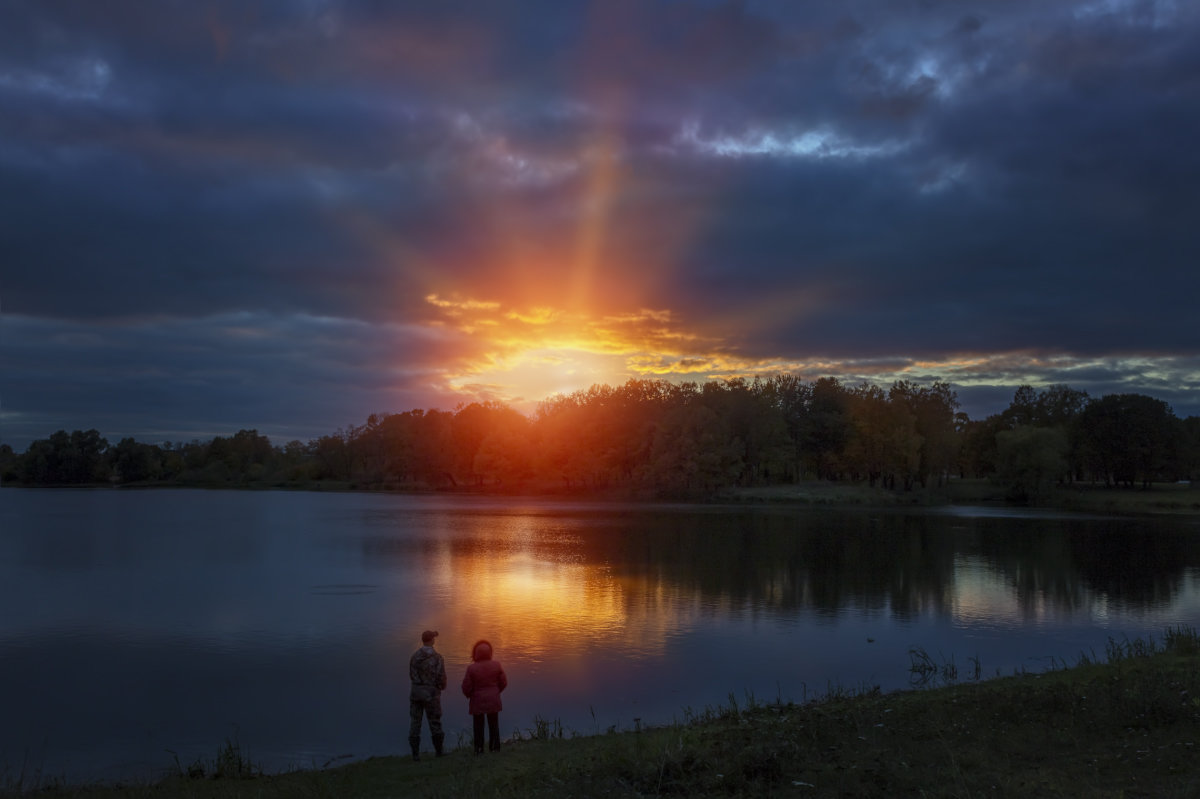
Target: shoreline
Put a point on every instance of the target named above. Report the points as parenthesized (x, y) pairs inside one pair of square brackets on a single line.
[(1162, 498), (1127, 725)]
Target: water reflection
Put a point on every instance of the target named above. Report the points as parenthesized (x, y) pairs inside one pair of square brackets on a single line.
[(141, 622), (576, 579), (780, 562)]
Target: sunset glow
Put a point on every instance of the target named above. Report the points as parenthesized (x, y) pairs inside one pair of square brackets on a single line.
[(522, 355), (555, 607), (402, 207)]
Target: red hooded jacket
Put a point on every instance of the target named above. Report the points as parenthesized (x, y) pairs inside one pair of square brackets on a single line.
[(484, 681)]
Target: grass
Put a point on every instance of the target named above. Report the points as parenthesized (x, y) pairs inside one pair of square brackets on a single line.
[(231, 762), (820, 492), (1123, 725), (1161, 498), (1172, 498)]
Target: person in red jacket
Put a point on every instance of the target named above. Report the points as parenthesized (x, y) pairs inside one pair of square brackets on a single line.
[(484, 681)]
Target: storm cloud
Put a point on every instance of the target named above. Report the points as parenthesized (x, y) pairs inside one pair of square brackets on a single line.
[(289, 215)]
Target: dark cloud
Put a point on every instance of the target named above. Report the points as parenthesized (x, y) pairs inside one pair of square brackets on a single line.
[(867, 179), (171, 379)]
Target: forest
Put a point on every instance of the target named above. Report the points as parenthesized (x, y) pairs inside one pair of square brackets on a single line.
[(655, 438)]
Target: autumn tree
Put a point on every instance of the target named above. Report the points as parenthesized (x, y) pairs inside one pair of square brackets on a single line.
[(505, 456), (884, 444), (756, 433), (433, 448), (933, 408), (471, 426), (790, 396), (690, 452), (568, 441)]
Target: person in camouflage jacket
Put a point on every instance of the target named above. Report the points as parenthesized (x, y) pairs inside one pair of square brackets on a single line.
[(427, 670)]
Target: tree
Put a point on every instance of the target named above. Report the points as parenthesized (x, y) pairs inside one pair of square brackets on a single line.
[(331, 457), (8, 464), (756, 432), (294, 461), (933, 408), (1023, 408), (1059, 406), (397, 435), (65, 458), (1030, 460), (790, 396), (1127, 438), (433, 451), (885, 445), (1189, 448), (505, 456), (470, 427), (629, 419), (567, 436), (251, 454), (978, 456), (826, 426), (689, 455), (132, 462), (867, 454)]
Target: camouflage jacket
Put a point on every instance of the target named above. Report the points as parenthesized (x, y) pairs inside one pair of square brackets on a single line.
[(427, 670)]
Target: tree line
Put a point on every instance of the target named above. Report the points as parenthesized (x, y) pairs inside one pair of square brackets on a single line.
[(671, 439)]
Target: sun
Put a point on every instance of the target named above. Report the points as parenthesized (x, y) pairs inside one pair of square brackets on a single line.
[(529, 376), (521, 356)]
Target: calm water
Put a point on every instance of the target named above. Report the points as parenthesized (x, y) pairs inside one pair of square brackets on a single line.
[(137, 624)]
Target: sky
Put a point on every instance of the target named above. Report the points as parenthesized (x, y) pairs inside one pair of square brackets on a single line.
[(286, 215)]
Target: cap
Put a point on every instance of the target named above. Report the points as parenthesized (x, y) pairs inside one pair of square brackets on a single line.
[(428, 636)]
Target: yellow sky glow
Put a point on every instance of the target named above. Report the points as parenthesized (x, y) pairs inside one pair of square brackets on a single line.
[(523, 355)]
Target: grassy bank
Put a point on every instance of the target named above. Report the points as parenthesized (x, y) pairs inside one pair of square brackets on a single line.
[(1125, 723), (1168, 498), (1161, 498)]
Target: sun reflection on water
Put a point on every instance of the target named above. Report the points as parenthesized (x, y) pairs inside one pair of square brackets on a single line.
[(536, 598)]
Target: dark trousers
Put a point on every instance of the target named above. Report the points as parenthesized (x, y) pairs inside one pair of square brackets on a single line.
[(493, 721), (432, 710)]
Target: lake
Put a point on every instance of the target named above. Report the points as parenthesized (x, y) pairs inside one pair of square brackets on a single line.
[(141, 627)]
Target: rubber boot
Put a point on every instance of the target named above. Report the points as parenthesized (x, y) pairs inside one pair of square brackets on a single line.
[(437, 744), (415, 743)]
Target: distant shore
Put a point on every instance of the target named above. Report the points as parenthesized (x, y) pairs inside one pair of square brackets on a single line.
[(1162, 498), (1168, 498)]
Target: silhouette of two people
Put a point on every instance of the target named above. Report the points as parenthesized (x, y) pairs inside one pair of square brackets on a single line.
[(483, 683)]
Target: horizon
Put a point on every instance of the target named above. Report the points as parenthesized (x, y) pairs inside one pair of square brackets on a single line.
[(278, 440)]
